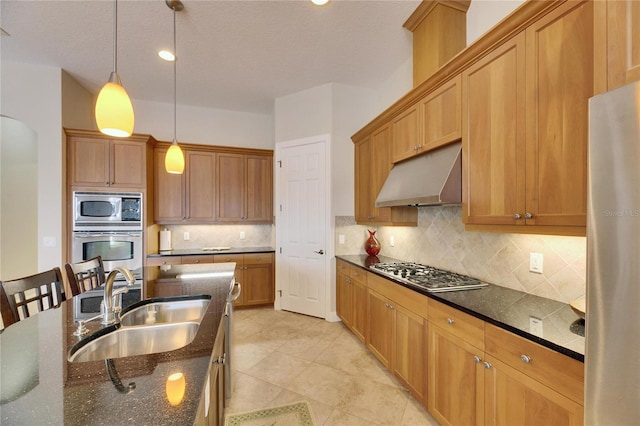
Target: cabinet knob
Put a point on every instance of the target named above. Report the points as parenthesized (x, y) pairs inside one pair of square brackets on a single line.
[(528, 216), (526, 359), (517, 216), (450, 321), (197, 261), (477, 359), (487, 365)]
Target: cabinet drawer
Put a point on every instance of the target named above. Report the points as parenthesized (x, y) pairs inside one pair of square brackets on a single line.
[(163, 260), (411, 300), (558, 371), (203, 258), (358, 274), (258, 258), (342, 267), (462, 325), (223, 258)]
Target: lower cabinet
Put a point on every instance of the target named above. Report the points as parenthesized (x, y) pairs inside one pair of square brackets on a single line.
[(351, 297), (211, 407), (255, 273)]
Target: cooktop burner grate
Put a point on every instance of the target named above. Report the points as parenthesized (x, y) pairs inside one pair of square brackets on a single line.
[(431, 279)]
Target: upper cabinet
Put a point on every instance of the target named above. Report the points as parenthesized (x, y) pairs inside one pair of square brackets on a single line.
[(245, 188), (97, 161), (218, 185), (372, 165), (623, 38), (525, 126)]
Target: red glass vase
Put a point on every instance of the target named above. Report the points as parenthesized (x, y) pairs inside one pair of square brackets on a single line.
[(372, 246)]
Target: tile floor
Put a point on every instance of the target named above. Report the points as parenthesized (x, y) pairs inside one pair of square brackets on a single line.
[(280, 357)]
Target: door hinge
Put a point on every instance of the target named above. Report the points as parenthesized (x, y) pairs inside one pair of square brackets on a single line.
[(280, 250), (279, 293), (280, 207), (279, 163)]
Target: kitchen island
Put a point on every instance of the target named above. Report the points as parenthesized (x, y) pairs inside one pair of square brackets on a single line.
[(39, 386)]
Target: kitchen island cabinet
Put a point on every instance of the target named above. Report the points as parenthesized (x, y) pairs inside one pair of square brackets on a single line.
[(49, 389), (623, 42)]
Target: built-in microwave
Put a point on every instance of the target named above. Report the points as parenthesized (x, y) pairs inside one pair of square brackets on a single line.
[(107, 211)]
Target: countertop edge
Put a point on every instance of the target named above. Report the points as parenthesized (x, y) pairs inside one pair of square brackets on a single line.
[(200, 252), (546, 343)]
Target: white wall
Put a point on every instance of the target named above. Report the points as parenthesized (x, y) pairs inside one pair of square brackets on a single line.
[(303, 114), (204, 125), (32, 94), (484, 14)]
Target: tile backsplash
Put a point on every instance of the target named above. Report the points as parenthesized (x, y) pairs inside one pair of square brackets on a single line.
[(221, 236), (440, 240)]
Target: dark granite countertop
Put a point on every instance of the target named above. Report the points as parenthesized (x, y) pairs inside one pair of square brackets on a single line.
[(562, 330), (39, 386), (212, 250)]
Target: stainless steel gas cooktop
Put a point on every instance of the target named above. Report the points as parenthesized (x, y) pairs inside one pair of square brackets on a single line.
[(427, 277)]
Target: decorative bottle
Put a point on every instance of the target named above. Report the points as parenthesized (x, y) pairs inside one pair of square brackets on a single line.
[(372, 246)]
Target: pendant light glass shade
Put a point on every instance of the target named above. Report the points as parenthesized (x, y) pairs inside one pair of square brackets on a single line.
[(114, 111), (174, 159)]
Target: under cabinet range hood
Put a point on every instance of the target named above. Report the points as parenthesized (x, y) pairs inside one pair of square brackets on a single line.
[(431, 179)]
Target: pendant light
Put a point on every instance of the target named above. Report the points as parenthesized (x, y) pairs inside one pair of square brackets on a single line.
[(114, 112), (174, 159)]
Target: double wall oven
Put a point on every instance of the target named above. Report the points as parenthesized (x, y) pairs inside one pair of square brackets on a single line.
[(108, 224)]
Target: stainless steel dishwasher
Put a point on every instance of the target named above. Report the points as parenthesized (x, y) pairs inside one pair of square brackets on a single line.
[(228, 317)]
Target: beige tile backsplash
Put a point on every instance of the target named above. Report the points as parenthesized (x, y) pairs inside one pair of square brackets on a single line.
[(221, 236), (440, 240)]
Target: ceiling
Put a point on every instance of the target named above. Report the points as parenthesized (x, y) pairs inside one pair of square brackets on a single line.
[(236, 55)]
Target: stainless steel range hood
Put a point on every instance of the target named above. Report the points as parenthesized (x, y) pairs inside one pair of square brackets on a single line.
[(433, 178)]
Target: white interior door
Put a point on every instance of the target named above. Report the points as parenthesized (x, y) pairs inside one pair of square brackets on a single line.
[(301, 226)]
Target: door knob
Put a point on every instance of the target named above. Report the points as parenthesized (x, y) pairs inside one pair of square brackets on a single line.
[(319, 251)]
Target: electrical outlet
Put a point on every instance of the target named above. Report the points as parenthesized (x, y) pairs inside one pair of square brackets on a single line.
[(340, 239), (243, 235), (186, 236), (535, 326), (392, 241), (535, 262)]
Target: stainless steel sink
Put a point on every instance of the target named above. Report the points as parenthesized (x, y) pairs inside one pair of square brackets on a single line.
[(118, 342), (147, 327), (166, 310)]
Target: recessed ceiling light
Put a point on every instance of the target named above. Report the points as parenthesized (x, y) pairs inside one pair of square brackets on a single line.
[(166, 55), (320, 2)]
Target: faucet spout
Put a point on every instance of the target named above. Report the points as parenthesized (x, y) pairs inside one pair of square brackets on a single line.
[(109, 315)]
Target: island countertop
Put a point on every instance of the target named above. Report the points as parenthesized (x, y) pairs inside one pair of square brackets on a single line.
[(212, 250), (39, 386)]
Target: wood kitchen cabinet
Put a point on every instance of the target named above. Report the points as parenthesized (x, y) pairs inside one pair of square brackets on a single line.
[(245, 188), (397, 332), (456, 376), (434, 121), (372, 166), (351, 297), (255, 273), (97, 161), (623, 42), (525, 126)]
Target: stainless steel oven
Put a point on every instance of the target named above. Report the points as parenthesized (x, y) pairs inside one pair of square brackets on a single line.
[(116, 248), (87, 305)]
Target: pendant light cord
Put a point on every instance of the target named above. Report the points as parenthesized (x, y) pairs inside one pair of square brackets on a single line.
[(175, 59), (115, 36)]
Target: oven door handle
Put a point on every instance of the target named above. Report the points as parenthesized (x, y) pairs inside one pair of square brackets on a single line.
[(234, 296)]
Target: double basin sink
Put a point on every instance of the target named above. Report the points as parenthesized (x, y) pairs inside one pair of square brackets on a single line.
[(147, 327)]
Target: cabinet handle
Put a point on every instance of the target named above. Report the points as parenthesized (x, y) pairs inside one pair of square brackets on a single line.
[(528, 216), (487, 365), (517, 216), (526, 359), (348, 281), (477, 359), (450, 320), (391, 307)]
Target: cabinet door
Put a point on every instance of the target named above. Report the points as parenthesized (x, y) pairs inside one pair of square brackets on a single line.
[(128, 165), (169, 200), (259, 190), (410, 351), (89, 162), (441, 115), (344, 299), (359, 310), (623, 36), (258, 279), (513, 398), (231, 187), (456, 381), (560, 81), (201, 186), (362, 176), (493, 127), (238, 259), (380, 167), (406, 135), (381, 327)]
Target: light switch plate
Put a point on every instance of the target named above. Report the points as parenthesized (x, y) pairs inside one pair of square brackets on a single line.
[(535, 326), (535, 262), (49, 241), (341, 239), (242, 235), (392, 241), (186, 236)]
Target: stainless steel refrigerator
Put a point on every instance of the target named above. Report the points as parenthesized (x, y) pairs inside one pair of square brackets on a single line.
[(612, 355)]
